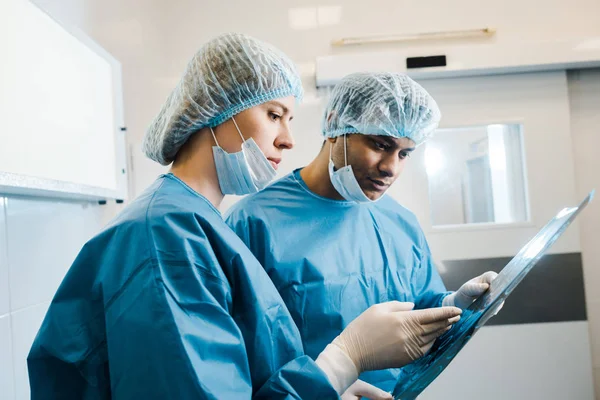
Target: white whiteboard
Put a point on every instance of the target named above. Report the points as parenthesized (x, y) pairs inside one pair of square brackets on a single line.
[(60, 109)]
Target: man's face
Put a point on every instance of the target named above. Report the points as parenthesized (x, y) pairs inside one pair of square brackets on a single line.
[(377, 161)]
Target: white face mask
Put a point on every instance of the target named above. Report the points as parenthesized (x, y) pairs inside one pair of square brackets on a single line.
[(344, 181), (243, 172)]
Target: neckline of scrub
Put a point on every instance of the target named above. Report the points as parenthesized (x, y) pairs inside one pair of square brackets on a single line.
[(340, 203), (186, 186)]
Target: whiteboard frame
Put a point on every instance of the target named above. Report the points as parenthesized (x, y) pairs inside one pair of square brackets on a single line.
[(23, 185)]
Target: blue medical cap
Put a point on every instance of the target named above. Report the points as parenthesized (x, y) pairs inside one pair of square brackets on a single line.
[(387, 104), (228, 75)]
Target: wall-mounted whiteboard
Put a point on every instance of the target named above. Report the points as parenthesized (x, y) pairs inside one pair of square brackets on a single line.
[(60, 109)]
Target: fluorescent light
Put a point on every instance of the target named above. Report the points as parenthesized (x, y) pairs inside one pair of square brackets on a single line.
[(329, 15), (470, 33)]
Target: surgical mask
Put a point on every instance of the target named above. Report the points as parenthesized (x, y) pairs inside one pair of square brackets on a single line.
[(246, 171), (344, 181)]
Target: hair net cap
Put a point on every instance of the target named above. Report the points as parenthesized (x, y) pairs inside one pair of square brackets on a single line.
[(228, 75), (387, 104)]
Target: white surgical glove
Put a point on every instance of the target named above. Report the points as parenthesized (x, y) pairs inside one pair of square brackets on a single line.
[(387, 335), (360, 389), (470, 291)]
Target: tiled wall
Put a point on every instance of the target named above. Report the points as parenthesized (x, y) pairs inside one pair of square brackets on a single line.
[(38, 241)]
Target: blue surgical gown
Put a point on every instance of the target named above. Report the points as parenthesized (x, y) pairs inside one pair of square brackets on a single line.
[(331, 260), (167, 303)]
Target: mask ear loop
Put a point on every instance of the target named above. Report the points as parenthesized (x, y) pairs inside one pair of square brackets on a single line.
[(214, 137), (345, 152), (238, 129)]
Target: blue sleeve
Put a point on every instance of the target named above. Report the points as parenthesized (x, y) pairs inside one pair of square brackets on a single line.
[(178, 339), (253, 231), (427, 285), (239, 222)]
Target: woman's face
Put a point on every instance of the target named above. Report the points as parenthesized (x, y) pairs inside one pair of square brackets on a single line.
[(268, 124)]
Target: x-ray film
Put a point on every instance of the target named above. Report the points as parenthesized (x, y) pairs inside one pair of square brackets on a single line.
[(417, 376)]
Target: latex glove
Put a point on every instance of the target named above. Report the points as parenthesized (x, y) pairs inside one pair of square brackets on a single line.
[(387, 335), (470, 291), (360, 389)]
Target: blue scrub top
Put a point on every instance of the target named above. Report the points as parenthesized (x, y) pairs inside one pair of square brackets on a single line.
[(331, 260), (167, 302)]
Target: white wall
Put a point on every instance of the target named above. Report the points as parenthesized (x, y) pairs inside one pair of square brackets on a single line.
[(154, 39), (584, 91)]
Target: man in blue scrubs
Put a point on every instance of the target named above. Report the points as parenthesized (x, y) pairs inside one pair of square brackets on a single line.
[(330, 239)]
